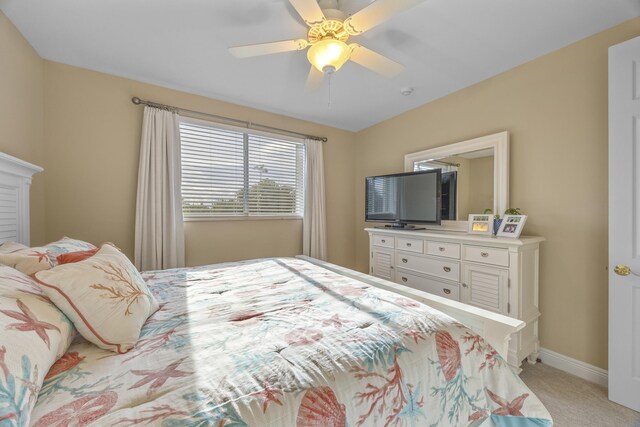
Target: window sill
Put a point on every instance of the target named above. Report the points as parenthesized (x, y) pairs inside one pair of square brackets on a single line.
[(241, 218)]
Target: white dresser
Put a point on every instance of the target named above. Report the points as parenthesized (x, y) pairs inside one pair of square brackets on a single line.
[(497, 274)]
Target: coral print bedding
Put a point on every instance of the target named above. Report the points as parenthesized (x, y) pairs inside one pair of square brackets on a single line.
[(32, 260), (282, 342), (33, 335)]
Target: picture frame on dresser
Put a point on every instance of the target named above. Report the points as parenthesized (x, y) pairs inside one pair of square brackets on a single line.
[(511, 226), (481, 224)]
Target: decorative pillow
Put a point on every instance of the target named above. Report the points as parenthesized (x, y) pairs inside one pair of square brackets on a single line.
[(8, 247), (32, 260), (34, 335), (72, 257), (104, 296)]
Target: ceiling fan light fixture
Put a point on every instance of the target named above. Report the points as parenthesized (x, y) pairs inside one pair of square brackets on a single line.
[(329, 55), (329, 69)]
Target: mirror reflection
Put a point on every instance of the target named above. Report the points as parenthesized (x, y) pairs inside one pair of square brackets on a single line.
[(467, 182)]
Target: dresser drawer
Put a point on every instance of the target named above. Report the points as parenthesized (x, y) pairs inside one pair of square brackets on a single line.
[(411, 245), (494, 256), (384, 241), (440, 268), (447, 250), (433, 286)]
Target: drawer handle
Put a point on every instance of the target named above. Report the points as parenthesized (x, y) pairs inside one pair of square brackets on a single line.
[(447, 269), (484, 254), (404, 279), (408, 244), (464, 285), (441, 249), (446, 291), (383, 241), (405, 260)]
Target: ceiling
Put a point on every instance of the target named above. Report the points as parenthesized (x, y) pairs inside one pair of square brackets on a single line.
[(445, 46)]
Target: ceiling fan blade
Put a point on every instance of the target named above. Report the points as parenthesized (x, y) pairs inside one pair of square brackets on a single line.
[(268, 48), (374, 61), (376, 13), (309, 10), (314, 80)]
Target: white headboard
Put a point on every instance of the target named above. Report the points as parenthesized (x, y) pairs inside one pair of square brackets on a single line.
[(15, 180)]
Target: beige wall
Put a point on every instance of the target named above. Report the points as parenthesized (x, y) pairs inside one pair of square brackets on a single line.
[(555, 109), (463, 185), (92, 143), (21, 113), (481, 175), (474, 184)]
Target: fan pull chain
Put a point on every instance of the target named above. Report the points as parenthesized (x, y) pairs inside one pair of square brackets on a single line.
[(329, 78)]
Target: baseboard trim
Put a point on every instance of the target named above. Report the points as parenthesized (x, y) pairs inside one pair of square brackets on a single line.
[(574, 367)]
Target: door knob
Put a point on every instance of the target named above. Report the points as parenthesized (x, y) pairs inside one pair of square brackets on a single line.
[(622, 270)]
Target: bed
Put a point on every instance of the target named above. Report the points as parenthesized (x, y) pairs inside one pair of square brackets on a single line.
[(270, 342), (285, 342)]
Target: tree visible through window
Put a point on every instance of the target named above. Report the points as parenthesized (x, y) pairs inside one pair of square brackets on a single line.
[(227, 172)]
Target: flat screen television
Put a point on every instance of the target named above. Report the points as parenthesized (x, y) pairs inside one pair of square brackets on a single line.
[(404, 198)]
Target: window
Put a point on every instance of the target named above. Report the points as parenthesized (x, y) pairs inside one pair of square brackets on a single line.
[(382, 198), (228, 172)]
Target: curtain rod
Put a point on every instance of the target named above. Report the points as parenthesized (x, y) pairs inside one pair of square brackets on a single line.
[(248, 125)]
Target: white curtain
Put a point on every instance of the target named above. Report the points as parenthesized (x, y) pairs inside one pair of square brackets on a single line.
[(314, 228), (159, 234)]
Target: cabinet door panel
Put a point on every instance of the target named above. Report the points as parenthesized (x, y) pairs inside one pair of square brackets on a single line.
[(382, 264), (485, 287)]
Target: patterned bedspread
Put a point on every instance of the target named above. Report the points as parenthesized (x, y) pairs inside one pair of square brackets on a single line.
[(282, 342)]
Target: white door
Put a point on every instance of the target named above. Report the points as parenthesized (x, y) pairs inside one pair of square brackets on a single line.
[(624, 223)]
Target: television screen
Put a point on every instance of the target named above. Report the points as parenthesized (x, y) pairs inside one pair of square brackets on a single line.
[(412, 197)]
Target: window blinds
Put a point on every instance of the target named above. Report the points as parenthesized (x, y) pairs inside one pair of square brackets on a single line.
[(233, 173), (382, 197)]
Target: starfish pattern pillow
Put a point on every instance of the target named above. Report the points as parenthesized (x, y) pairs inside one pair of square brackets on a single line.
[(104, 296), (75, 256), (33, 335), (32, 260), (8, 247)]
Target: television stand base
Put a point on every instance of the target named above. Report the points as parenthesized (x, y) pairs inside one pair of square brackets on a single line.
[(401, 227)]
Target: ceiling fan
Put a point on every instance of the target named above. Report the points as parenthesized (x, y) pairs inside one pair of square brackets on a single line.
[(330, 28)]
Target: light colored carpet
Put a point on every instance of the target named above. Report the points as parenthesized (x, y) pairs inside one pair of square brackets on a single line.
[(574, 402)]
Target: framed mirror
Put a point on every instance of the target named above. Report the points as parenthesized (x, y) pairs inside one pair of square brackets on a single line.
[(475, 176)]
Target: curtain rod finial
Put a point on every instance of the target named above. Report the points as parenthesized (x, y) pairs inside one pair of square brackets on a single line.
[(135, 100)]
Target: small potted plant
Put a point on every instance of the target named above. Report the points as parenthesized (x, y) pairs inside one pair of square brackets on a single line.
[(497, 221)]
